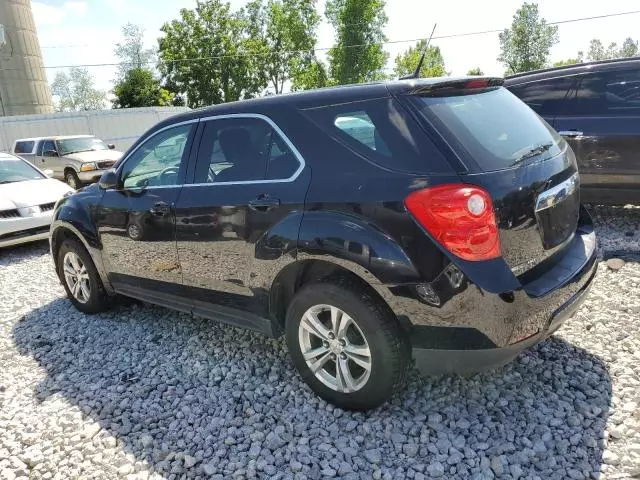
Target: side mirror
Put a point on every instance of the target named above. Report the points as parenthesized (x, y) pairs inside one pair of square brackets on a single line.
[(108, 180), (111, 146), (50, 153), (48, 172)]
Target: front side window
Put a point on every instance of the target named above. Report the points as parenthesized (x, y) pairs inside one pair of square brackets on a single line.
[(157, 161), (48, 146), (81, 144), (241, 150)]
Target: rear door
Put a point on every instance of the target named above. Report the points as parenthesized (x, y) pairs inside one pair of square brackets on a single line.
[(237, 223), (602, 124)]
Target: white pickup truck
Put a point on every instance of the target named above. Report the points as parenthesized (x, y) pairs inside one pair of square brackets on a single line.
[(76, 159)]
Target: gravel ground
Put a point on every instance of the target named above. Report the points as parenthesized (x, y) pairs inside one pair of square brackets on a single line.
[(144, 392)]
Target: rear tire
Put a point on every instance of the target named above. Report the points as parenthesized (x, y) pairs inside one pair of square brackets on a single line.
[(80, 278), (354, 325), (72, 179)]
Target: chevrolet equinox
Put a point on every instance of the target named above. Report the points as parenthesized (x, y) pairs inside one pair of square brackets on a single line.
[(437, 220)]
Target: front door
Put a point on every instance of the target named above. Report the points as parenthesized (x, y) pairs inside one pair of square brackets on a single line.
[(237, 224), (136, 220), (48, 158), (603, 129)]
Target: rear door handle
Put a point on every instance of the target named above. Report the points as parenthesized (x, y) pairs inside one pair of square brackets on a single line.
[(571, 133), (160, 209), (264, 204)]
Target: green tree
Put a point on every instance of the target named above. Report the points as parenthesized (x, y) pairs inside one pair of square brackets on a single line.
[(567, 62), (475, 71), (75, 91), (139, 88), (203, 55), (358, 55), (131, 51), (629, 48), (596, 51), (281, 33), (526, 45), (314, 76), (433, 65)]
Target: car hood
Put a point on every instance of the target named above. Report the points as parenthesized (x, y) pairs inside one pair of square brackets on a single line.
[(31, 192), (95, 156)]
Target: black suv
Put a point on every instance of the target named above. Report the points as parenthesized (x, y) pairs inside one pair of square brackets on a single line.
[(596, 107), (438, 219)]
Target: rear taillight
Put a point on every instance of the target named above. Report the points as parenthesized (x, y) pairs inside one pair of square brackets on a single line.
[(460, 217)]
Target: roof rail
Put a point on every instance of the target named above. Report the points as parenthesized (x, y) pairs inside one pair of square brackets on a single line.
[(575, 65)]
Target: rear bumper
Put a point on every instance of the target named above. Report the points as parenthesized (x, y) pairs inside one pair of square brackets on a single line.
[(444, 361), (468, 329)]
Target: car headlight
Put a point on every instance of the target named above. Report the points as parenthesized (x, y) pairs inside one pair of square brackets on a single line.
[(87, 167)]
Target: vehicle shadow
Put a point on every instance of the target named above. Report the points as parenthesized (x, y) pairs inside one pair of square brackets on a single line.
[(189, 384)]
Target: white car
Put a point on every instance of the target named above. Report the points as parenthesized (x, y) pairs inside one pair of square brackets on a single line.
[(27, 198)]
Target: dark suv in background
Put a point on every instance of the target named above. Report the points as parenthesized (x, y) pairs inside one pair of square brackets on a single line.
[(596, 107), (438, 219)]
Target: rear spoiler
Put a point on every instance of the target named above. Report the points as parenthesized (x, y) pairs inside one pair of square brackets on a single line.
[(464, 86)]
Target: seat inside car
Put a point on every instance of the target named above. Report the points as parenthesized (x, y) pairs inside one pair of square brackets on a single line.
[(238, 149)]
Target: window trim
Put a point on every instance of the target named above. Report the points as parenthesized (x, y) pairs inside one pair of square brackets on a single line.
[(277, 129)]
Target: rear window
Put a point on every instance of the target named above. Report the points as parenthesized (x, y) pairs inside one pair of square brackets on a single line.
[(382, 132), (24, 147), (494, 128)]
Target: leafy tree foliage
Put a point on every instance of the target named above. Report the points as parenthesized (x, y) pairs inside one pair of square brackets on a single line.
[(475, 71), (526, 45), (75, 91), (358, 55), (433, 65), (139, 88), (206, 55), (131, 51), (598, 52), (281, 34)]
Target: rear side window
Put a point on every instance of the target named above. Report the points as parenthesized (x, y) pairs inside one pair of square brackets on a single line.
[(384, 133), (612, 93), (24, 147), (494, 128), (546, 97)]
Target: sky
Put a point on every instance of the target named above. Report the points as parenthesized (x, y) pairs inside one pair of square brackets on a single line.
[(77, 32)]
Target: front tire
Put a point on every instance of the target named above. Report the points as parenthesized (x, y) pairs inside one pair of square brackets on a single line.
[(80, 278), (346, 345), (72, 179)]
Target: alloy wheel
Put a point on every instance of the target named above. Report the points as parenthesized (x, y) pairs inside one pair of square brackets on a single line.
[(334, 348), (77, 277)]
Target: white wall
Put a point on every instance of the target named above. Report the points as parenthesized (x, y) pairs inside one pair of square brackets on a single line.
[(121, 127)]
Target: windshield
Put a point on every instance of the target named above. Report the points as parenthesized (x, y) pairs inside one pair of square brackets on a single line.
[(82, 144), (16, 170), (494, 128)]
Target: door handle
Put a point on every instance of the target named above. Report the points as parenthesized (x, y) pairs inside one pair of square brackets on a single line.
[(264, 204), (160, 209), (571, 133)]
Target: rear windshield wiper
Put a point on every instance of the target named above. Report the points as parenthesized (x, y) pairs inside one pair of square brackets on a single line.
[(534, 152)]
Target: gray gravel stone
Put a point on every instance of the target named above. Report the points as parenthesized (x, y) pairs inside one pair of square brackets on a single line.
[(141, 389)]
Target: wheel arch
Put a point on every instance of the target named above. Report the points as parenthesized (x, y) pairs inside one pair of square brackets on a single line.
[(317, 269)]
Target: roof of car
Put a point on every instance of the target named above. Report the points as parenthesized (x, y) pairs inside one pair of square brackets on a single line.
[(7, 156), (53, 137), (313, 98), (566, 70)]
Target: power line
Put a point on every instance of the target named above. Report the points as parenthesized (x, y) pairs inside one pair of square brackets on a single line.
[(454, 35), (296, 52)]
